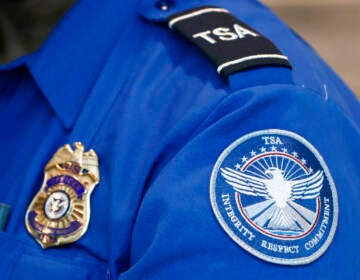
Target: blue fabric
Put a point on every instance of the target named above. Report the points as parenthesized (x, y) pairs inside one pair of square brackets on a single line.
[(113, 76)]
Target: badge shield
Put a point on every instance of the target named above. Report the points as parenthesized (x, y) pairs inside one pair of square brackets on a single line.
[(60, 211)]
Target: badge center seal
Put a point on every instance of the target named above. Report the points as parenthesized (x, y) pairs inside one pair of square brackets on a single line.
[(56, 205), (273, 194)]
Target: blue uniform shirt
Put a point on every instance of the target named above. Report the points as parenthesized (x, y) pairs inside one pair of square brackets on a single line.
[(113, 76)]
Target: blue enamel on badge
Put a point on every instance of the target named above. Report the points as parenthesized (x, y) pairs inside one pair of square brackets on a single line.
[(273, 194)]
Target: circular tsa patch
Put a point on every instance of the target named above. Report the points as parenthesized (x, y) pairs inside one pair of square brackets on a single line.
[(274, 196)]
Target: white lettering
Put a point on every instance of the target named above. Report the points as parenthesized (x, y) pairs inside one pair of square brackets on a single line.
[(272, 140), (224, 34), (242, 31), (234, 219), (324, 223), (266, 139), (280, 248), (205, 36)]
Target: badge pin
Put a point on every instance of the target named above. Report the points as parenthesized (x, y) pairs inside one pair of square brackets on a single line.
[(59, 213)]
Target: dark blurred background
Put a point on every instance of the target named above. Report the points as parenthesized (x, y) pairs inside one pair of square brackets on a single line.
[(330, 26), (24, 24)]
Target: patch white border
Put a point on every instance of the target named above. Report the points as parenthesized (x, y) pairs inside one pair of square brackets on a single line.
[(243, 244)]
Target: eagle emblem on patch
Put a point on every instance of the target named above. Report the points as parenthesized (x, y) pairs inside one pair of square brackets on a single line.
[(273, 194), (60, 211)]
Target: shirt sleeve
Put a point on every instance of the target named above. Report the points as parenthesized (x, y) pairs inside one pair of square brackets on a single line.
[(247, 148)]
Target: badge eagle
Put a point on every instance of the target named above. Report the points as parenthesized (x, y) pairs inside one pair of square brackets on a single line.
[(60, 211)]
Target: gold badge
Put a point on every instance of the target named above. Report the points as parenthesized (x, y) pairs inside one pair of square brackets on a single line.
[(60, 211)]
